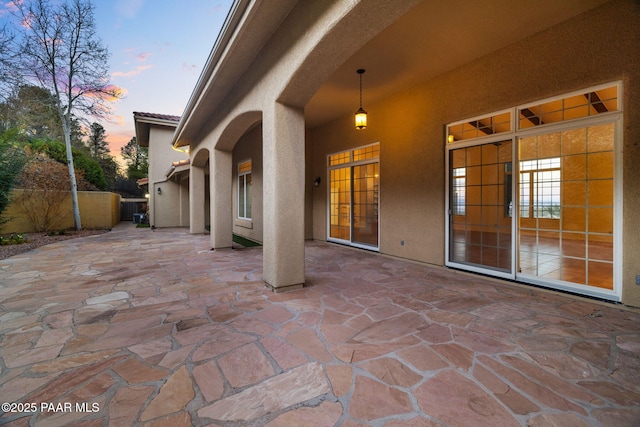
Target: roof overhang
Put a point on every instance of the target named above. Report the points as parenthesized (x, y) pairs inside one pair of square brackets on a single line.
[(237, 46), (144, 121), (429, 40), (178, 169)]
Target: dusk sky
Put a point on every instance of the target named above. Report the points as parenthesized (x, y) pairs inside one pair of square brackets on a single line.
[(158, 49)]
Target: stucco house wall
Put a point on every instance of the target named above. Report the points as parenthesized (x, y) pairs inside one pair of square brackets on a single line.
[(597, 47), (249, 147), (168, 198), (259, 85), (165, 207)]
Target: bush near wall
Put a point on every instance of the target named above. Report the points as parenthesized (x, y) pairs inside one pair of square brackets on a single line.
[(98, 209)]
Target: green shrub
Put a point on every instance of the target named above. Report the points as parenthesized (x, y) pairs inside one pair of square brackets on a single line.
[(13, 239), (12, 160), (93, 173)]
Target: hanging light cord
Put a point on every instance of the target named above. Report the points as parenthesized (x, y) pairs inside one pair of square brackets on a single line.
[(360, 90), (360, 72)]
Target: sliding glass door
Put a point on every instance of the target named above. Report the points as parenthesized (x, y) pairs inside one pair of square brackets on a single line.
[(567, 206), (538, 203), (480, 225), (354, 190)]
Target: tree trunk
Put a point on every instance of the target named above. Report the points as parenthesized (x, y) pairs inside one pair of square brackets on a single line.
[(72, 174)]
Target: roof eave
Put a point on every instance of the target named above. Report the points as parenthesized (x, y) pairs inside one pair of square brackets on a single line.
[(229, 28)]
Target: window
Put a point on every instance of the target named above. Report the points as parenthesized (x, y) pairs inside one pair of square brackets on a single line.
[(479, 127), (244, 190), (573, 106), (540, 188), (459, 187)]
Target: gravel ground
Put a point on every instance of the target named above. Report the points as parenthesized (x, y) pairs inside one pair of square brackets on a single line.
[(35, 240)]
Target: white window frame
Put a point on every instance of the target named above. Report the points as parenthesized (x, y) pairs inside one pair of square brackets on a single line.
[(349, 162), (614, 117), (242, 183)]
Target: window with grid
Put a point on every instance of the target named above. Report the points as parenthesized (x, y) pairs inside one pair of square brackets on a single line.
[(244, 190), (459, 191), (574, 106), (540, 188)]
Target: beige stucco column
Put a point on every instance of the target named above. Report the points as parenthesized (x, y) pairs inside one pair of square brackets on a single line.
[(185, 205), (283, 192), (196, 200), (220, 183)]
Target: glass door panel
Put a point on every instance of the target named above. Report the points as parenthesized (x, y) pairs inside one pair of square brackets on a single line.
[(566, 206), (340, 204), (481, 206), (365, 204)]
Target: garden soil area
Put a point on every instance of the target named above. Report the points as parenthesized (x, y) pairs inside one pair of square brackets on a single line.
[(35, 240)]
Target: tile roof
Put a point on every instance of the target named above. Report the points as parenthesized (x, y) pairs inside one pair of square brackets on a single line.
[(157, 116)]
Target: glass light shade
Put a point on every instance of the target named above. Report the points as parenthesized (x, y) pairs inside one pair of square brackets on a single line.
[(361, 119)]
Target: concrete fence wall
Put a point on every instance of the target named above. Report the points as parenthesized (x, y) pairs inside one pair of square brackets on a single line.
[(97, 210)]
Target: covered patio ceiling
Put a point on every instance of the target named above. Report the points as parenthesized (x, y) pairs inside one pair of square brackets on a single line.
[(433, 38)]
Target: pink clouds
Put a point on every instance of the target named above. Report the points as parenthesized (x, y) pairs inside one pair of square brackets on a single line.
[(140, 58), (139, 69), (116, 141), (9, 7)]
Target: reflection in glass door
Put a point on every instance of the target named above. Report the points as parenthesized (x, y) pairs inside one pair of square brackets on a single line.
[(566, 206), (480, 206)]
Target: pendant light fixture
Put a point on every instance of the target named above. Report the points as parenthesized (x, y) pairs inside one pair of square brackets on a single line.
[(361, 114)]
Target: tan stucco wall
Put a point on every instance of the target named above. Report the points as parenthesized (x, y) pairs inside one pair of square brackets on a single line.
[(97, 210), (171, 207), (249, 147), (167, 209), (600, 46), (411, 176)]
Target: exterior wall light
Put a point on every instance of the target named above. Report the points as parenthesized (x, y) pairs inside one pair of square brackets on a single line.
[(361, 114), (316, 182), (159, 190)]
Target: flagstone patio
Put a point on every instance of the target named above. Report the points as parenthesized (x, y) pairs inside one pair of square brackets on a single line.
[(136, 327)]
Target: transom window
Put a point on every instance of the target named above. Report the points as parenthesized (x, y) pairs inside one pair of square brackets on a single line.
[(574, 106), (479, 127)]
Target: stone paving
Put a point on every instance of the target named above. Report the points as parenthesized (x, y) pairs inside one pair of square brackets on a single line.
[(136, 327)]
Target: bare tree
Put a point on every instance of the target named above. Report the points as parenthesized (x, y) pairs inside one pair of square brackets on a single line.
[(6, 40), (57, 48)]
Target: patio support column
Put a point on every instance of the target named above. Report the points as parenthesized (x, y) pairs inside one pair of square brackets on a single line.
[(283, 195), (196, 200), (220, 185), (185, 205)]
